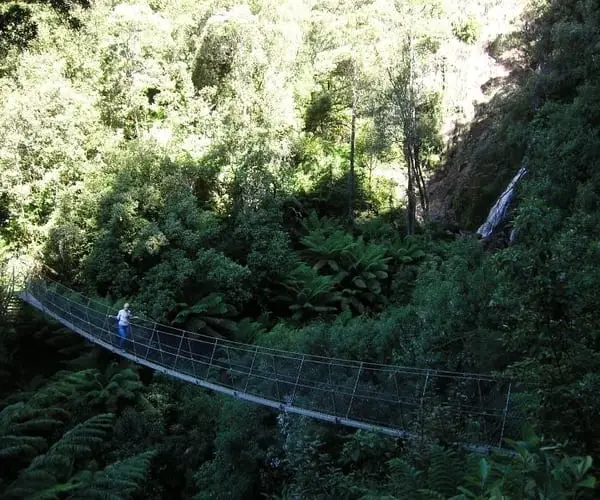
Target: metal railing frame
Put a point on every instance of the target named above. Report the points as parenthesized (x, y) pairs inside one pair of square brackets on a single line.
[(354, 399)]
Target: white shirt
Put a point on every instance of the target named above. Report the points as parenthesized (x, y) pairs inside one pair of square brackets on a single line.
[(123, 317)]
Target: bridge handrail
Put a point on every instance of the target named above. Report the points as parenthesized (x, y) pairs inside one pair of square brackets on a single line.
[(294, 354), (396, 398)]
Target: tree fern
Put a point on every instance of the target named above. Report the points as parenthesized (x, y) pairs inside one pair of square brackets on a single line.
[(208, 316), (89, 388), (426, 494), (368, 257), (307, 293), (356, 267), (116, 481), (405, 480), (114, 385), (327, 249), (79, 440), (50, 474), (535, 472), (71, 348), (444, 473), (67, 388), (379, 496), (11, 446), (23, 430)]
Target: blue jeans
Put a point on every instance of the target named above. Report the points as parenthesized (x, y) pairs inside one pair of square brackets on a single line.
[(122, 334)]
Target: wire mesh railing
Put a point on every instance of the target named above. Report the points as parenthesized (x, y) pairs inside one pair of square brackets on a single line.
[(400, 401)]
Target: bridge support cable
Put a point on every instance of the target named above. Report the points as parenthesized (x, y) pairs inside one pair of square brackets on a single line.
[(394, 400)]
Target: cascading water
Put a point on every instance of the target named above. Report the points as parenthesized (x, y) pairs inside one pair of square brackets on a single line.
[(499, 210)]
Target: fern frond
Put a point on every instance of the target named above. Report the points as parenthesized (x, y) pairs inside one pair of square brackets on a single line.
[(426, 494), (39, 486), (37, 425), (116, 383), (80, 439), (18, 450), (47, 476), (67, 387), (405, 479), (37, 443), (20, 417), (444, 473), (23, 430), (116, 480)]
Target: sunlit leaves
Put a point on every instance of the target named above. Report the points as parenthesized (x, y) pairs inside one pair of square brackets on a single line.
[(47, 130), (17, 28), (134, 73)]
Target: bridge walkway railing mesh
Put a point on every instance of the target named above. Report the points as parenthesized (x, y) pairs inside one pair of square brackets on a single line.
[(386, 398)]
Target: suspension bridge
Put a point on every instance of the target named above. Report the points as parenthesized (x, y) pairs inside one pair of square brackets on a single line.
[(397, 401)]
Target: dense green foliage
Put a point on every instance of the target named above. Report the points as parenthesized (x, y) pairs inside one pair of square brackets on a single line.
[(232, 168)]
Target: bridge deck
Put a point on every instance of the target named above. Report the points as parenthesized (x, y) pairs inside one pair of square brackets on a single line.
[(30, 299), (396, 401)]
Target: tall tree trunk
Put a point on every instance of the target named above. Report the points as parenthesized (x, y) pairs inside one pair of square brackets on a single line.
[(410, 136), (372, 205), (410, 194), (420, 182), (351, 180)]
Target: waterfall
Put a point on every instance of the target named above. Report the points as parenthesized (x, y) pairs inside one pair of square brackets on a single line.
[(498, 212)]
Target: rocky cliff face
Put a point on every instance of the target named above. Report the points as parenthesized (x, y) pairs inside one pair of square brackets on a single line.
[(483, 153), (481, 159)]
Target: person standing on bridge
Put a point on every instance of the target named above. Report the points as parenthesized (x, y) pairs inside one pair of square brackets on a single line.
[(123, 317)]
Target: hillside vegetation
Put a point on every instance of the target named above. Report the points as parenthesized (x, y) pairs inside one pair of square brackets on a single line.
[(295, 174)]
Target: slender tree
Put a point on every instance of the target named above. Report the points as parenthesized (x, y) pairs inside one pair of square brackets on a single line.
[(405, 110), (348, 66)]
